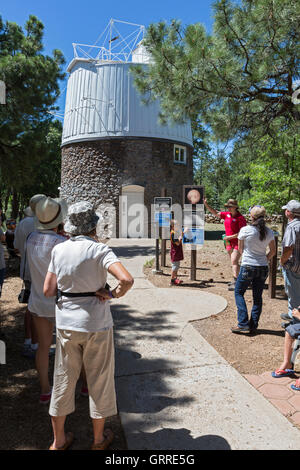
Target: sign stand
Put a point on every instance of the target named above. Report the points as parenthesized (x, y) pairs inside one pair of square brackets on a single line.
[(193, 196), (162, 219), (163, 241), (157, 270), (193, 264)]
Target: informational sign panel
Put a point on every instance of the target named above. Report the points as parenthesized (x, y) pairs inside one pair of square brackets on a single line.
[(162, 204), (162, 211), (193, 216), (163, 219), (193, 236), (193, 197)]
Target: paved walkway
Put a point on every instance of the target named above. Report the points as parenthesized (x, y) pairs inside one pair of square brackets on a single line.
[(174, 390)]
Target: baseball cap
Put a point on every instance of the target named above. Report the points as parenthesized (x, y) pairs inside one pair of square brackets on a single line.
[(293, 206)]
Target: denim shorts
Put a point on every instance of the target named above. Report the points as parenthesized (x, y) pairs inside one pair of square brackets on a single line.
[(294, 329), (249, 273)]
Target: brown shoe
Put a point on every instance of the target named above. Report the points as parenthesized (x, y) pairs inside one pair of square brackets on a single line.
[(69, 440), (237, 329), (108, 438)]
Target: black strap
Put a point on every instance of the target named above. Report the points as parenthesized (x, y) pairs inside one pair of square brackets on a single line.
[(76, 294)]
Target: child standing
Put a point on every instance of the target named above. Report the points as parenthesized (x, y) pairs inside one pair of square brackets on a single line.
[(176, 251)]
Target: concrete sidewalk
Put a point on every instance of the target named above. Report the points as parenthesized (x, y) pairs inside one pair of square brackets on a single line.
[(175, 392)]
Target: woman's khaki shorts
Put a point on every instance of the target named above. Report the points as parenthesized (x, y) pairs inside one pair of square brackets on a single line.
[(96, 352)]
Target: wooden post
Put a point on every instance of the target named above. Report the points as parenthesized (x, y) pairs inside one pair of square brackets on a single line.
[(163, 242), (273, 271), (157, 255), (193, 264)]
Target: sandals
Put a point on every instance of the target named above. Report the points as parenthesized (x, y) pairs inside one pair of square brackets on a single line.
[(108, 438), (176, 282), (277, 374), (294, 387), (69, 440)]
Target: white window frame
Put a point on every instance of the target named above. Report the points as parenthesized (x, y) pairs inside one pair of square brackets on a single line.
[(180, 148)]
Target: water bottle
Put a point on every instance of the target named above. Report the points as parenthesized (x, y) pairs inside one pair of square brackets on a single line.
[(226, 242)]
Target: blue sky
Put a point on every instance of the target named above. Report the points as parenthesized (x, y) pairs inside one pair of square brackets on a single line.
[(74, 21)]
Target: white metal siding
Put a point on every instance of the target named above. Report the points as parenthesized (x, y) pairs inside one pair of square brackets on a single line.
[(102, 102)]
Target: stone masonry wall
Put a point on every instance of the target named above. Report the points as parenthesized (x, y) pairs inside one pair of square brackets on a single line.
[(97, 170)]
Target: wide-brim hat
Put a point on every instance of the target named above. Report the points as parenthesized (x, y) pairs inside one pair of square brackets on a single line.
[(28, 212), (34, 200), (231, 203), (81, 219), (50, 213), (293, 206)]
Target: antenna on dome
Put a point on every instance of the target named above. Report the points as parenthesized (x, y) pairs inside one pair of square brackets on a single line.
[(116, 43)]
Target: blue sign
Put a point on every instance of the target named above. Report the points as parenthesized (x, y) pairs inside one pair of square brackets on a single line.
[(162, 218), (193, 236)]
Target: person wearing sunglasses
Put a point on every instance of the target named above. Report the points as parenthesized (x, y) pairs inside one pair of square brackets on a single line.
[(233, 222)]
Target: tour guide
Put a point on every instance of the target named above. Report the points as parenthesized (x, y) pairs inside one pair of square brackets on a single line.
[(233, 222), (77, 275)]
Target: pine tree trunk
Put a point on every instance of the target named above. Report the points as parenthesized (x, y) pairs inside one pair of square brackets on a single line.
[(15, 205)]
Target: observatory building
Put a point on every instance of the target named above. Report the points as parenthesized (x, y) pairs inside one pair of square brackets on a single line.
[(113, 145)]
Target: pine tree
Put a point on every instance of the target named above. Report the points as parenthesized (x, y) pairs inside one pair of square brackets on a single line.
[(32, 87), (241, 77)]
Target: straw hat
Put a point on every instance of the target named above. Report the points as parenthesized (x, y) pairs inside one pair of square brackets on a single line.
[(81, 218), (258, 211), (231, 203), (34, 200), (28, 212), (50, 213)]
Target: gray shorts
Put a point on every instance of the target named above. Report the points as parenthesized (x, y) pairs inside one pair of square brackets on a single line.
[(175, 265)]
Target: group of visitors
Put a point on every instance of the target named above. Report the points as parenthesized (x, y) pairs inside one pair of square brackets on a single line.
[(65, 268), (252, 242), (255, 245)]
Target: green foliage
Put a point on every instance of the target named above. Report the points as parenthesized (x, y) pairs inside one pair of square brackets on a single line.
[(31, 90), (275, 173), (237, 79), (32, 87)]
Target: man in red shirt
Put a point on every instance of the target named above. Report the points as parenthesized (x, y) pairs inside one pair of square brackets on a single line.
[(233, 222)]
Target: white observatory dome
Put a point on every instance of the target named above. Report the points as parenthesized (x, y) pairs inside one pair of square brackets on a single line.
[(102, 101)]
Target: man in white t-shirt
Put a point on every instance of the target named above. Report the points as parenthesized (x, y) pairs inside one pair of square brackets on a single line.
[(77, 275)]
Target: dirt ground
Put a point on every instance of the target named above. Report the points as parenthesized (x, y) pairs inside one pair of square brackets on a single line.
[(27, 423), (248, 354)]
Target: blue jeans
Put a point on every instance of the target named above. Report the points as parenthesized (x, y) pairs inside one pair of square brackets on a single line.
[(292, 289), (255, 275)]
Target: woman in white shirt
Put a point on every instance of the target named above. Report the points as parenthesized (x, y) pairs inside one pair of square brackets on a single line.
[(77, 275), (50, 214), (254, 240)]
